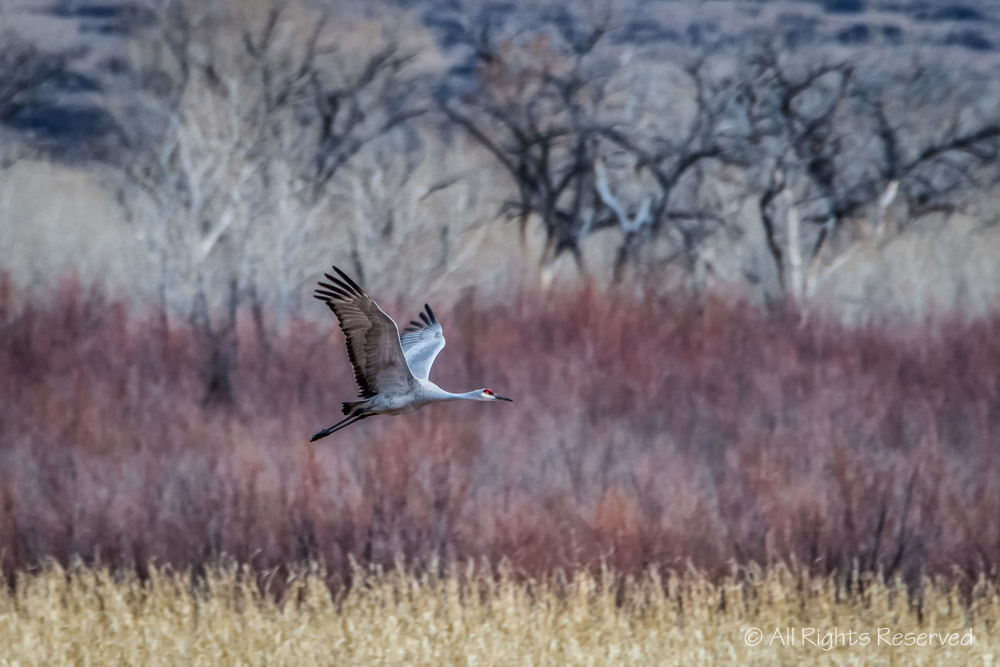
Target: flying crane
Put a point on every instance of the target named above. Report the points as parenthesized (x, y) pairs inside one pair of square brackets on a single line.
[(391, 371)]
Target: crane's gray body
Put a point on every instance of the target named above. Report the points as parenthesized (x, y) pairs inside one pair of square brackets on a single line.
[(391, 370), (425, 393)]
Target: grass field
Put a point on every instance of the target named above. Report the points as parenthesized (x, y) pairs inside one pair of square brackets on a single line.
[(90, 617)]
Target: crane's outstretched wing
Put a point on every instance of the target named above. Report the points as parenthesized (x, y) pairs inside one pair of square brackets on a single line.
[(422, 341), (372, 337)]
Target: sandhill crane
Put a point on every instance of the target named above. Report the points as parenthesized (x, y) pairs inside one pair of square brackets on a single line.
[(391, 370)]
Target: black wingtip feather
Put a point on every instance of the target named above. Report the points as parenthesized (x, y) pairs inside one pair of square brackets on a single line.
[(332, 293), (336, 283), (348, 280), (328, 296), (430, 312)]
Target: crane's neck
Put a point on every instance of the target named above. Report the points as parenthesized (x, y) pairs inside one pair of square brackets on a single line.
[(469, 395), (436, 393), (474, 395)]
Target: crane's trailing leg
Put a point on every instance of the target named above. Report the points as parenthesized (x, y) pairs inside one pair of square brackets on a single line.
[(343, 423)]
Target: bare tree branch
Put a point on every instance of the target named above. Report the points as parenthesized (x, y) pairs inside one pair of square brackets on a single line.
[(24, 72)]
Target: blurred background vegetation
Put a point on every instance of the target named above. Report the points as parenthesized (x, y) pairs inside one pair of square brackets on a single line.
[(840, 154), (736, 261)]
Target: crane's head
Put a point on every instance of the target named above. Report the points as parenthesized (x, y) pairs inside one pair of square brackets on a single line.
[(490, 395)]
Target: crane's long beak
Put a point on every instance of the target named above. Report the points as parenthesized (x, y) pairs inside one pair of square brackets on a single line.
[(503, 398)]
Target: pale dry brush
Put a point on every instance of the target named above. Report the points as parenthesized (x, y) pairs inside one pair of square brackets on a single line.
[(479, 616)]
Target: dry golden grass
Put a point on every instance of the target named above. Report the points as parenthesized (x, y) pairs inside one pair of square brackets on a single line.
[(92, 617)]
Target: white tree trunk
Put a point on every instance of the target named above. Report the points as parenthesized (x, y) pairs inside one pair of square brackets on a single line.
[(796, 280)]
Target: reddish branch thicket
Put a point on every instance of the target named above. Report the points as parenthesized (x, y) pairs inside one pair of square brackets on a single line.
[(643, 434)]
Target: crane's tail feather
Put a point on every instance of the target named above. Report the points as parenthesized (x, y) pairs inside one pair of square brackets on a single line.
[(343, 423), (351, 406)]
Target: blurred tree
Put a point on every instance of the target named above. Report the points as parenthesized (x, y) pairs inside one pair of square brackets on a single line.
[(549, 107), (665, 145), (247, 117), (25, 71), (835, 140)]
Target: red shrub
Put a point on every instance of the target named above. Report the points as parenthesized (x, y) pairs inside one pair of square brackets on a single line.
[(643, 433)]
